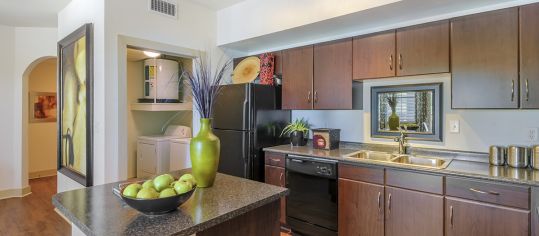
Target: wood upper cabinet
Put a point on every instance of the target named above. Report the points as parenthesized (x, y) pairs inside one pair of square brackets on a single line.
[(276, 176), (529, 56), (423, 49), (333, 75), (361, 208), (484, 60), (413, 213), (374, 56), (297, 67), (463, 217)]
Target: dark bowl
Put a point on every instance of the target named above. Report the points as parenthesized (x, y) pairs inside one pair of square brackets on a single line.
[(156, 206)]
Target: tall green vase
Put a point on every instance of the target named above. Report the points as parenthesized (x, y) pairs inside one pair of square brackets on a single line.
[(394, 121), (205, 149)]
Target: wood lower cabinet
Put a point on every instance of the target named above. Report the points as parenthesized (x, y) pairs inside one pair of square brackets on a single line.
[(464, 217), (333, 75), (374, 56), (276, 176), (413, 213), (297, 67), (529, 56), (361, 208), (484, 60), (423, 49)]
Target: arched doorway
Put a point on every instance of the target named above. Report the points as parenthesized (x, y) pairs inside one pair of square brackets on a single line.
[(41, 133), (38, 121)]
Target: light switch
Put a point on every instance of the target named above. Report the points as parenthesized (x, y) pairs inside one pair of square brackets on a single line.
[(454, 126)]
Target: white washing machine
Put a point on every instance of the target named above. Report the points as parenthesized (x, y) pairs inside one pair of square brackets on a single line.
[(153, 152), (179, 153)]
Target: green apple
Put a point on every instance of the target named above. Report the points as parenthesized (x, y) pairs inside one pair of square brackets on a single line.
[(182, 187), (162, 182), (172, 184), (147, 193), (170, 177), (132, 190), (168, 192), (188, 177), (148, 184)]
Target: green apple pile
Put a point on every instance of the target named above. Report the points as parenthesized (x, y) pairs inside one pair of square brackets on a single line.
[(160, 187)]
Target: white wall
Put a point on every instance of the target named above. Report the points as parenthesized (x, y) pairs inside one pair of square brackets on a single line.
[(22, 48), (478, 128), (42, 157), (73, 16), (8, 158), (116, 22), (250, 18)]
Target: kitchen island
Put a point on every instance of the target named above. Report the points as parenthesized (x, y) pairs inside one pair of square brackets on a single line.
[(233, 206)]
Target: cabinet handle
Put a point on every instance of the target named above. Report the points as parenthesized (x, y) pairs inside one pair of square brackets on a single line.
[(400, 61), (391, 62), (275, 160), (309, 97), (483, 192), (451, 216), (315, 96), (512, 90), (527, 91), (281, 179), (389, 204), (379, 197)]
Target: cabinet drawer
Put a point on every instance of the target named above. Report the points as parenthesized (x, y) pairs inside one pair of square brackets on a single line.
[(415, 181), (501, 194), (274, 159), (361, 173)]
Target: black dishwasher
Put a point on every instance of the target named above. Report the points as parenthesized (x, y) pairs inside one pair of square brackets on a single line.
[(311, 207)]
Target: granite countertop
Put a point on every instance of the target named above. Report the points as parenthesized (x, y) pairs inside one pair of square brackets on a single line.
[(463, 164), (97, 211)]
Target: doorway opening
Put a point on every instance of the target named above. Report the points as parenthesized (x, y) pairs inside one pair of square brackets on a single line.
[(41, 133)]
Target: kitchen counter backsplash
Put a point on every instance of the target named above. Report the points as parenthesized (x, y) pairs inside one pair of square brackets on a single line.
[(463, 164)]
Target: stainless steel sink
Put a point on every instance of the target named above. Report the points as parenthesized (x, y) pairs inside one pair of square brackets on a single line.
[(422, 161), (372, 155)]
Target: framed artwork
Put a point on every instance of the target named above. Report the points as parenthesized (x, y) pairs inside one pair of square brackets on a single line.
[(75, 113), (42, 107)]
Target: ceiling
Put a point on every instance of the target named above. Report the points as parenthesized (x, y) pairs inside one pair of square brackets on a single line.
[(216, 4), (31, 13)]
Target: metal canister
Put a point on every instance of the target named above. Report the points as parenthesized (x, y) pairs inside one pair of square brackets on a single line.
[(497, 155), (517, 156), (534, 159)]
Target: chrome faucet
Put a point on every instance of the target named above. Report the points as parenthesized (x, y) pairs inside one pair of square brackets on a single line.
[(403, 147)]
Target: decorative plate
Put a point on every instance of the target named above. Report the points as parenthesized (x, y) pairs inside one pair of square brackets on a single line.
[(246, 71)]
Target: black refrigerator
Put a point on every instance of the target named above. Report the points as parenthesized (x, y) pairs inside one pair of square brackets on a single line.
[(247, 118)]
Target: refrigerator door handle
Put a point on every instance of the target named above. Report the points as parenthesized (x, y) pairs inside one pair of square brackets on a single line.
[(245, 113)]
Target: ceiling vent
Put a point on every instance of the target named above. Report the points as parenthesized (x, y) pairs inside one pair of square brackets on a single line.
[(163, 7)]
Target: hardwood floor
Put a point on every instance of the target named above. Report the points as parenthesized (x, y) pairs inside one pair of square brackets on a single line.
[(33, 214)]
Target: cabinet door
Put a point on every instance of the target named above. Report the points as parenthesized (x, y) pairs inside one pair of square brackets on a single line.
[(297, 78), (463, 217), (374, 56), (423, 49), (484, 60), (275, 176), (529, 56), (333, 75), (413, 213), (361, 208)]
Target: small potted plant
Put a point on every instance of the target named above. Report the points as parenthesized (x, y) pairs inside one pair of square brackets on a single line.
[(298, 132)]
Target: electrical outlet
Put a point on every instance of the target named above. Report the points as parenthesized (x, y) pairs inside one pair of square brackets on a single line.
[(454, 126), (531, 134)]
